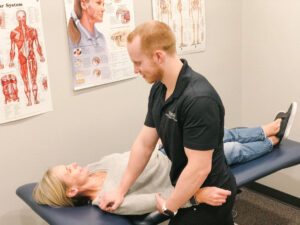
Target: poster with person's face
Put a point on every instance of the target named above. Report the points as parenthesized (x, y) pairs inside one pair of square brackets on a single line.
[(24, 83), (97, 34)]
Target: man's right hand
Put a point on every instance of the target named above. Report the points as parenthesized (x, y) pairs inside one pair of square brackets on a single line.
[(213, 196), (110, 201), (11, 64)]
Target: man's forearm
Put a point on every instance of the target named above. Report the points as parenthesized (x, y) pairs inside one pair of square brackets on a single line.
[(188, 183), (139, 157)]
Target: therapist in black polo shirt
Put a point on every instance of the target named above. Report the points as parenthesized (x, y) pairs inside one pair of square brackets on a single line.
[(186, 112)]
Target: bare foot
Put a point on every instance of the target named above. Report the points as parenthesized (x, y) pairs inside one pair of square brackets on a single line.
[(274, 140), (272, 128)]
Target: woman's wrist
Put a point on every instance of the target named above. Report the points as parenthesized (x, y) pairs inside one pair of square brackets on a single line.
[(199, 196)]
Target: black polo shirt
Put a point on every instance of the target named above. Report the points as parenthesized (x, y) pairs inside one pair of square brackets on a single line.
[(192, 117)]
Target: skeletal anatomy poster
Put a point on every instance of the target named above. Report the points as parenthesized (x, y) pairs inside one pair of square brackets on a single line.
[(187, 20), (97, 32), (24, 89)]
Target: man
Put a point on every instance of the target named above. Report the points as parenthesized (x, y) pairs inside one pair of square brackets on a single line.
[(187, 114), (24, 37)]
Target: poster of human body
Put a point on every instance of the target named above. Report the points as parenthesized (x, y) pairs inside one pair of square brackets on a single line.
[(187, 20), (97, 32), (24, 79)]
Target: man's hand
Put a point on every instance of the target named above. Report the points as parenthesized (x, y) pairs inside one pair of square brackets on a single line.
[(11, 64), (213, 196), (159, 202), (110, 201)]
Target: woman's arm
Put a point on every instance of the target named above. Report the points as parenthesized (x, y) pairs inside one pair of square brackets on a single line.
[(212, 195)]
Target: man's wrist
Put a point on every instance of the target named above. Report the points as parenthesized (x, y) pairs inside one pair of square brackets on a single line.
[(200, 195), (167, 211), (194, 200), (122, 190)]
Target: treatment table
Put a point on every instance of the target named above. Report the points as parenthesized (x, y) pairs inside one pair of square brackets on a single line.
[(287, 154)]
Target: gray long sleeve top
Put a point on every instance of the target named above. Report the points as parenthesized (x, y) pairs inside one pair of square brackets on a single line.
[(140, 198)]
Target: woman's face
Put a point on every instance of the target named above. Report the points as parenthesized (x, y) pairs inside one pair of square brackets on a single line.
[(95, 10), (72, 175)]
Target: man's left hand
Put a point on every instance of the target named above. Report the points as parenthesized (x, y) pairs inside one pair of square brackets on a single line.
[(159, 202)]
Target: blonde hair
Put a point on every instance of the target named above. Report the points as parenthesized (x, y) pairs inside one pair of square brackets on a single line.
[(51, 191), (154, 35), (73, 31)]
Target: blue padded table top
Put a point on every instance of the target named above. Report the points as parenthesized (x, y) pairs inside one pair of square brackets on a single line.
[(83, 215), (89, 215), (286, 155)]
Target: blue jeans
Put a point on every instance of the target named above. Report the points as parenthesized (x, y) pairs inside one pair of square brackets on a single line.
[(244, 144)]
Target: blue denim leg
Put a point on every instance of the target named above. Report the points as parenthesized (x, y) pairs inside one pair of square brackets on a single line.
[(244, 135), (236, 152)]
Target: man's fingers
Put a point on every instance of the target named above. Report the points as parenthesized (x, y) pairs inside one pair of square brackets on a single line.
[(217, 203), (110, 206), (113, 205), (221, 198), (107, 206), (158, 197), (159, 202), (104, 204)]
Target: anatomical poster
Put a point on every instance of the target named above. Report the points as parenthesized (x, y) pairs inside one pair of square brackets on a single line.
[(24, 89), (97, 33), (187, 20)]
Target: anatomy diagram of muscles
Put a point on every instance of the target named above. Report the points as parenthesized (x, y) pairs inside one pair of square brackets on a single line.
[(24, 83), (24, 38), (9, 87), (187, 20)]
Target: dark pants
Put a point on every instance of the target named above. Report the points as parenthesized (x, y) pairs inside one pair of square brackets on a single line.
[(204, 214)]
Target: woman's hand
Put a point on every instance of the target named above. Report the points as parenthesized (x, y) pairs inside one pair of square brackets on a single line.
[(213, 196)]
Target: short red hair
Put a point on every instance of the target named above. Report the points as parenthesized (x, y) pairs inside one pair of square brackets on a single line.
[(154, 35)]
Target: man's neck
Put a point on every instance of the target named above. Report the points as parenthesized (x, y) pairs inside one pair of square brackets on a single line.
[(171, 69)]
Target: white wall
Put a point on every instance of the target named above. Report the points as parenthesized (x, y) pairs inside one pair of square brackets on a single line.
[(88, 124), (270, 72)]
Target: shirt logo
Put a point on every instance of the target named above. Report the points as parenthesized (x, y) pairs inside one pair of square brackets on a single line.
[(171, 116)]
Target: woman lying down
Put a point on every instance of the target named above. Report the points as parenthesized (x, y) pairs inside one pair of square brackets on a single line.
[(72, 185)]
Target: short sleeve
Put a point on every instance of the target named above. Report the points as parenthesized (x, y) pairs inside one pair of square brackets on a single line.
[(149, 122), (202, 124)]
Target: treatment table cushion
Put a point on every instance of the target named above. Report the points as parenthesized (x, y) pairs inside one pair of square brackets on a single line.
[(286, 155)]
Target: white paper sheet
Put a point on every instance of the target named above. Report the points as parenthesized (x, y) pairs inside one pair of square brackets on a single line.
[(105, 60), (187, 20), (25, 88)]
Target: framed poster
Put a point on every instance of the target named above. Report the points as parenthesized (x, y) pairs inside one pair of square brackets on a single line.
[(187, 20), (97, 36), (25, 88)]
